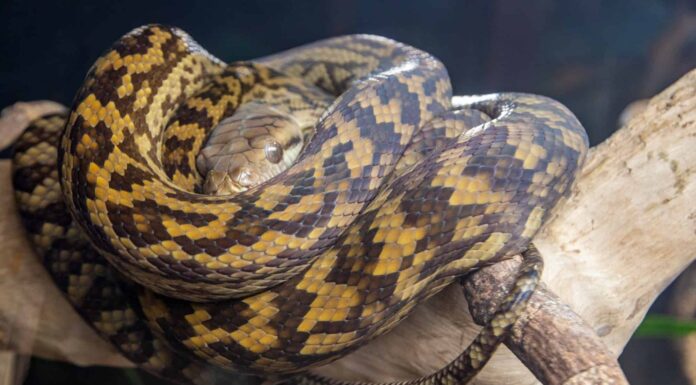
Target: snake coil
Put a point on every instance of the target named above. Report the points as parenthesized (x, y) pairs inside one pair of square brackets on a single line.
[(401, 190)]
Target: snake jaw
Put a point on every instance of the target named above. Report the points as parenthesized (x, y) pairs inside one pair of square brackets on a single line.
[(227, 183)]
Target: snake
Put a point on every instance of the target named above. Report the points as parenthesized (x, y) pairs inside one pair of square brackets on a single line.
[(400, 190)]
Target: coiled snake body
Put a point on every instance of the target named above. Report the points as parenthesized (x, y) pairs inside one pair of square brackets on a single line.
[(391, 200)]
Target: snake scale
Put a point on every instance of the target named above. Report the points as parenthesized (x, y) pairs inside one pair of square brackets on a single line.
[(401, 190)]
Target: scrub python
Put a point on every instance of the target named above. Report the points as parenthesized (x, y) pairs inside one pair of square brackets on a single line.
[(400, 191)]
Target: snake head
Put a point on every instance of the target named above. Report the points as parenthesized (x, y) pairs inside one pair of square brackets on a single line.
[(248, 148)]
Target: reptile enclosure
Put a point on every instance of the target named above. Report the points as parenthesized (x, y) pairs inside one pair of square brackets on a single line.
[(594, 238), (624, 234)]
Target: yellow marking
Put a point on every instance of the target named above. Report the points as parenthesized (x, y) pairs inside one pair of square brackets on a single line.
[(214, 265), (256, 335), (171, 89), (553, 168), (159, 250), (484, 250), (236, 250), (180, 255), (407, 278), (215, 229), (422, 257), (142, 95), (533, 222), (371, 309)]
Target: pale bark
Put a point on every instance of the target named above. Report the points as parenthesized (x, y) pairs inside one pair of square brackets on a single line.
[(627, 230)]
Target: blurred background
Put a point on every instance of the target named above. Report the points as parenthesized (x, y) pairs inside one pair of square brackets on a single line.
[(594, 56)]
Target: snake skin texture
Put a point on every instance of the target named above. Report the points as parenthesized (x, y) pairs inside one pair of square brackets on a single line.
[(401, 190), (463, 368)]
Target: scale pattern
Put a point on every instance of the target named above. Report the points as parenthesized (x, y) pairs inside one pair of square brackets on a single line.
[(394, 198)]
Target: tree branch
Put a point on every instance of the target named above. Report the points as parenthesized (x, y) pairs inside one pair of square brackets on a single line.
[(549, 338)]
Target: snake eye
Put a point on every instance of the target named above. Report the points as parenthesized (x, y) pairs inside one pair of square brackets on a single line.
[(274, 152)]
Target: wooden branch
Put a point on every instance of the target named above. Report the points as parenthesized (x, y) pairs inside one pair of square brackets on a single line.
[(549, 338), (624, 234)]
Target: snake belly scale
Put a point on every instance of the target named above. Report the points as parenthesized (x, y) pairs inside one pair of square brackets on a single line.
[(311, 264)]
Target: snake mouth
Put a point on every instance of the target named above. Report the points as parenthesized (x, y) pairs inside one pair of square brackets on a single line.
[(226, 183)]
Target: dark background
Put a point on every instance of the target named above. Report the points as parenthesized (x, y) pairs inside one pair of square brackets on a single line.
[(594, 56)]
